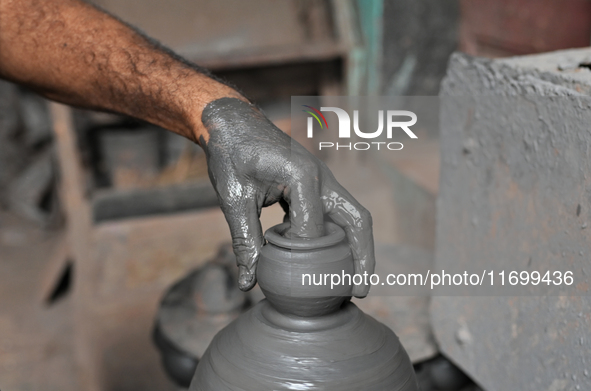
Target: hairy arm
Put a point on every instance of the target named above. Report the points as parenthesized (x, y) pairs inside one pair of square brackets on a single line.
[(73, 53)]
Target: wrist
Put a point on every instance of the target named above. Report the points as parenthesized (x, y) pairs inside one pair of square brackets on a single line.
[(208, 92)]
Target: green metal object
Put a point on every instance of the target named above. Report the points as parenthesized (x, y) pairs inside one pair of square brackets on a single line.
[(370, 14)]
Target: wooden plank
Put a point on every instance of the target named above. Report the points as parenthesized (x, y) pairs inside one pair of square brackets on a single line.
[(273, 56), (53, 268), (71, 185), (222, 33), (115, 204), (134, 256), (76, 207)]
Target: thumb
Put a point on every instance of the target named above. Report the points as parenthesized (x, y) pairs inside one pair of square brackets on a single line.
[(242, 215)]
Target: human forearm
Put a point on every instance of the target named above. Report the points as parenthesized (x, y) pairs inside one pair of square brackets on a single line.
[(71, 52), (74, 53)]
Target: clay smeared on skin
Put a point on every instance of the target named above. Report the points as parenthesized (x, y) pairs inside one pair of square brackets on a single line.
[(357, 223), (253, 164)]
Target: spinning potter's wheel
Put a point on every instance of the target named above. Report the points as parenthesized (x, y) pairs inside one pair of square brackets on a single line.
[(304, 337)]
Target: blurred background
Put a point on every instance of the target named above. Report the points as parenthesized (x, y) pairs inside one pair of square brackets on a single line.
[(114, 265)]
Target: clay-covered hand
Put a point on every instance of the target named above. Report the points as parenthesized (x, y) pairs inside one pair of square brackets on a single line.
[(253, 164)]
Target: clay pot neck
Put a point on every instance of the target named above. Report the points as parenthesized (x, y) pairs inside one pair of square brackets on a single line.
[(281, 236)]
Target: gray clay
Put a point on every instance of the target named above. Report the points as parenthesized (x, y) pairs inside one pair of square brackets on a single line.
[(306, 338), (253, 164), (285, 261)]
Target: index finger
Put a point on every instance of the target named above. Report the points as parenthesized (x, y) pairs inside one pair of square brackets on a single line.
[(305, 205), (350, 215)]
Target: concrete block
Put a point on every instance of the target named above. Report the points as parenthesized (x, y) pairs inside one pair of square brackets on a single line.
[(515, 193)]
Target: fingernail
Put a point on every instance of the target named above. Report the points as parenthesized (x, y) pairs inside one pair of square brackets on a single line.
[(360, 291)]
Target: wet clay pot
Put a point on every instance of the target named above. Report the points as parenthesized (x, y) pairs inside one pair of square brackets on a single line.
[(304, 337), (291, 272)]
